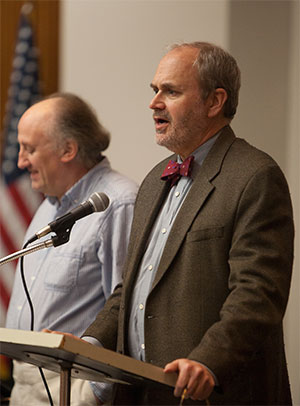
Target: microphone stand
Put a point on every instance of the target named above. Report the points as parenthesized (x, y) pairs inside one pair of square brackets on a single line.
[(55, 241), (21, 253)]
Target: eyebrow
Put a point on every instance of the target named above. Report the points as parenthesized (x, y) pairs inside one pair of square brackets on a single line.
[(23, 143), (164, 86)]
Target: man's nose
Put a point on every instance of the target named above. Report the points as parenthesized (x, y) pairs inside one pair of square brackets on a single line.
[(22, 160), (157, 102)]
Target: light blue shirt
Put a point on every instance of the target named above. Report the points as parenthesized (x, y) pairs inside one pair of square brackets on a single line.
[(153, 253), (69, 284)]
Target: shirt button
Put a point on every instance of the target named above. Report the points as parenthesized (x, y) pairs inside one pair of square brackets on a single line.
[(177, 194), (164, 230), (143, 346), (33, 278), (141, 306), (150, 267), (19, 307)]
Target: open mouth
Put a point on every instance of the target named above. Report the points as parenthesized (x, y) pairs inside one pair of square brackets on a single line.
[(33, 173), (160, 120), (160, 123)]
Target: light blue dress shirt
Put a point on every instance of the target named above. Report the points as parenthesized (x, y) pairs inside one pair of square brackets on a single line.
[(69, 284)]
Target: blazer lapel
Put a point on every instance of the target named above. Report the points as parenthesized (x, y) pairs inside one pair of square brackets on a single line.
[(198, 194)]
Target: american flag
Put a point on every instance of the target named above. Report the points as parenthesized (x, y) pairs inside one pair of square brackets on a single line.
[(17, 202)]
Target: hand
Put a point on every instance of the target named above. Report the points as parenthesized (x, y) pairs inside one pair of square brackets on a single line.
[(45, 330), (193, 376)]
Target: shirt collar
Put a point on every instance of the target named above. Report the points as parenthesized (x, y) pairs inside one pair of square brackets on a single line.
[(201, 152)]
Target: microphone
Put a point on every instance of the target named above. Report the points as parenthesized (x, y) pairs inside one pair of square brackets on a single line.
[(97, 202)]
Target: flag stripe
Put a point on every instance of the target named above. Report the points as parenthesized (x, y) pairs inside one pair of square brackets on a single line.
[(7, 241), (7, 275), (12, 220), (20, 202), (4, 295), (7, 272)]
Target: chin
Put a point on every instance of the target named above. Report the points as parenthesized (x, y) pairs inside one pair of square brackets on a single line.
[(163, 140), (37, 188), (167, 143)]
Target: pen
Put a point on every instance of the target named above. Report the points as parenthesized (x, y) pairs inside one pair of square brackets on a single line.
[(183, 397)]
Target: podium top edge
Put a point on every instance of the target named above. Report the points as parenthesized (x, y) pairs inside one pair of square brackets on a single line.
[(31, 337), (69, 344)]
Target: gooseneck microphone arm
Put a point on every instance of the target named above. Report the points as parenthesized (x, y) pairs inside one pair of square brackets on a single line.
[(26, 251)]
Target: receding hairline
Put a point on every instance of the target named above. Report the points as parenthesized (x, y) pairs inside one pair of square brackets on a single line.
[(46, 113)]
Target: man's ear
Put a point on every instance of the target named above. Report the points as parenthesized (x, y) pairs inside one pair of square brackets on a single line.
[(69, 150), (216, 102)]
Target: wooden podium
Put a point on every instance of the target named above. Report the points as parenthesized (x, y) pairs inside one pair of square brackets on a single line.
[(70, 357)]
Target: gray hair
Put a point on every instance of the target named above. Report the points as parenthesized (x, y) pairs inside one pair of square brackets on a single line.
[(216, 69), (77, 120)]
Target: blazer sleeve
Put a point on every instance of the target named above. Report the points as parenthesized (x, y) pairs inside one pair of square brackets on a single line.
[(105, 326), (260, 263)]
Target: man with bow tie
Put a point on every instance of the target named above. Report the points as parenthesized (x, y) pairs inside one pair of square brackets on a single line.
[(208, 270)]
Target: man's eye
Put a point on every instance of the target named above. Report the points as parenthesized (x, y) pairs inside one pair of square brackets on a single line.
[(30, 150), (172, 92)]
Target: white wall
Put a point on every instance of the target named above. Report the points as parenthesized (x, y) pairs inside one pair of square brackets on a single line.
[(109, 53)]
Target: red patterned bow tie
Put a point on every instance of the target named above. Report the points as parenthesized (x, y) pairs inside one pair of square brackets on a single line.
[(174, 170)]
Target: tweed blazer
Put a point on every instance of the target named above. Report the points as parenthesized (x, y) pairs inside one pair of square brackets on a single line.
[(222, 285)]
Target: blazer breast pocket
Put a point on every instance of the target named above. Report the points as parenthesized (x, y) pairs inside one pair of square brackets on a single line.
[(212, 233)]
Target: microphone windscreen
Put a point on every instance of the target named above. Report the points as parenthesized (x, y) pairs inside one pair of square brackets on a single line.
[(100, 201)]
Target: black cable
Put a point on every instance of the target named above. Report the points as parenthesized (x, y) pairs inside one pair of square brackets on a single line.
[(26, 290), (32, 319), (46, 386)]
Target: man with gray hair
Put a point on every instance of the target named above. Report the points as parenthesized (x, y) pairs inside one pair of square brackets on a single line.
[(61, 144)]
